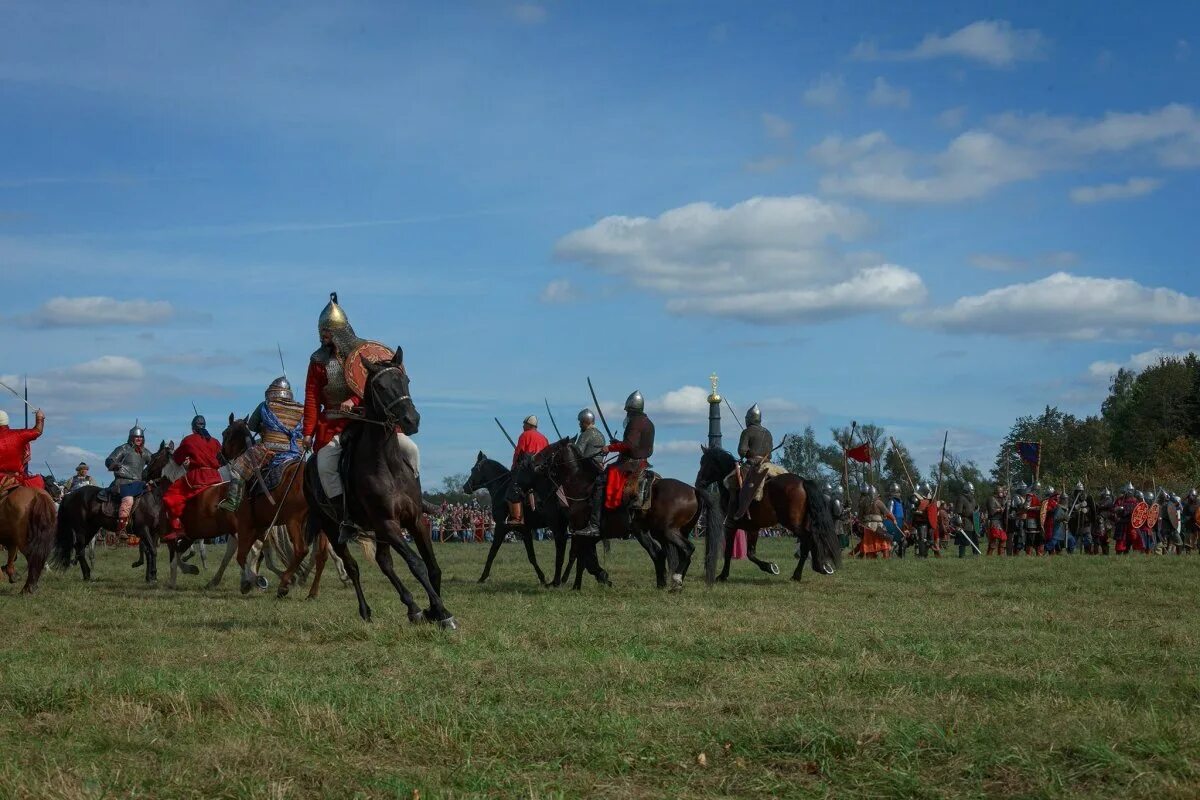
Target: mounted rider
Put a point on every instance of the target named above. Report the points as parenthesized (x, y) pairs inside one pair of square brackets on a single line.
[(589, 444), (80, 479), (15, 452), (279, 422), (329, 403), (128, 463), (754, 449), (200, 454), (634, 449), (530, 442)]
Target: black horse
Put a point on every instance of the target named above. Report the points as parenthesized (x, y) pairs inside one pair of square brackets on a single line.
[(548, 513), (382, 493), (82, 514), (793, 502)]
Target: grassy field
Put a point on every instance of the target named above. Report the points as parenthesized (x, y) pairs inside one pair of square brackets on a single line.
[(1069, 677)]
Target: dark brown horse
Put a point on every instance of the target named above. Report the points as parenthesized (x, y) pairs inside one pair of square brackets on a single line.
[(790, 501), (662, 530), (27, 527), (83, 514), (383, 495), (496, 478)]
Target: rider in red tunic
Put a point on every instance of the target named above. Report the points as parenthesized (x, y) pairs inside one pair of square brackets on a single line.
[(531, 442), (14, 451), (199, 453)]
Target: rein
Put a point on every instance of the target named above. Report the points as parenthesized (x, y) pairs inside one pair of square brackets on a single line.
[(552, 476)]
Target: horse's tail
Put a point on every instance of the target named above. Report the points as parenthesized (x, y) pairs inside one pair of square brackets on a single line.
[(820, 524), (64, 538), (714, 534), (40, 535)]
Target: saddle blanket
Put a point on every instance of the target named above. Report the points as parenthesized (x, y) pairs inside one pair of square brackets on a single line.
[(769, 468)]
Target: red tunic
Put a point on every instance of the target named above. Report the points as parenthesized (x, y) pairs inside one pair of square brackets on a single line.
[(316, 423), (14, 455), (530, 441), (202, 472)]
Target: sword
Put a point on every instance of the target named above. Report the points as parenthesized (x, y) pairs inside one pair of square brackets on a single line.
[(506, 436), (600, 411), (17, 395), (557, 432)]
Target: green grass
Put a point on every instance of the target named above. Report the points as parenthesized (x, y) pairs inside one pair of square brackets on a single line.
[(1068, 677)]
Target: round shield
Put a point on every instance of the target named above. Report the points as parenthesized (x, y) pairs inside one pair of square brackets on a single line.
[(1140, 512), (356, 373), (1153, 514)]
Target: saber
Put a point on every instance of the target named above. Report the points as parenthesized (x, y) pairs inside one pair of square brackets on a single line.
[(506, 436), (557, 432), (600, 411), (731, 411), (17, 395)]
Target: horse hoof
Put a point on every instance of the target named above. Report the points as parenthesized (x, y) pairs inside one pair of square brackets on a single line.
[(417, 618), (210, 585), (448, 624), (773, 568), (246, 586), (189, 569), (311, 597), (281, 593), (723, 578), (482, 580), (828, 570)]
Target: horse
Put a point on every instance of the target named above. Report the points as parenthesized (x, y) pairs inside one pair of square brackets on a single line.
[(27, 527), (53, 488), (789, 500), (496, 478), (662, 530), (82, 514), (383, 494)]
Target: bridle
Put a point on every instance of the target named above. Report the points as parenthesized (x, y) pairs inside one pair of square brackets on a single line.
[(386, 408), (548, 469)]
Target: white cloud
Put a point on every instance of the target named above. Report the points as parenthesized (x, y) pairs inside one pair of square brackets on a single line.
[(825, 91), (69, 452), (61, 312), (767, 259), (558, 292), (1064, 305), (884, 95), (952, 117), (1134, 187), (992, 42), (1136, 362), (776, 127), (529, 13)]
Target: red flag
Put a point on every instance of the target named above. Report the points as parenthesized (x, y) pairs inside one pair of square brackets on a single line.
[(861, 454)]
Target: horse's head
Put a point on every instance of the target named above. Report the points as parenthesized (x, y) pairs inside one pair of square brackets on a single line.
[(160, 460), (478, 480), (236, 439), (387, 396), (53, 488), (715, 464)]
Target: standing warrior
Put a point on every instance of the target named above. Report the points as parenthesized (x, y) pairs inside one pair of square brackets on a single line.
[(997, 510), (1035, 538), (15, 452), (1124, 535), (1191, 525), (200, 454), (1055, 523), (279, 422), (918, 514), (635, 447), (1106, 520), (871, 514), (128, 465), (530, 442), (894, 524), (1172, 525), (833, 496), (327, 401), (1082, 521), (967, 509)]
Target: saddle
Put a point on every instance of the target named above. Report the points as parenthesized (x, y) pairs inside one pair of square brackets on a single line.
[(272, 476), (639, 490)]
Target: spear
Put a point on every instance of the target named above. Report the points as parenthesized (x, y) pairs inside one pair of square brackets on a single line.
[(26, 401), (903, 463), (938, 491), (281, 364), (552, 422), (735, 416)]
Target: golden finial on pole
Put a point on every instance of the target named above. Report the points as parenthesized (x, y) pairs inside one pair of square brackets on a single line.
[(714, 397)]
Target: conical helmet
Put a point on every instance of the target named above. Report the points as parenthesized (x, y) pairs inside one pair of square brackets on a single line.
[(1079, 486), (280, 389), (635, 402), (136, 432), (754, 415), (587, 416), (332, 317)]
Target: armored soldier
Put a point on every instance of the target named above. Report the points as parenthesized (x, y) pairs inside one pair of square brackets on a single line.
[(128, 463), (1172, 524), (1081, 522), (1191, 528), (1054, 520), (199, 453), (1106, 520), (966, 508), (589, 443), (529, 443), (918, 513), (1035, 537), (80, 478), (1016, 519), (833, 496), (871, 514), (328, 399), (279, 422), (997, 511), (634, 449), (1124, 533), (754, 448), (894, 524)]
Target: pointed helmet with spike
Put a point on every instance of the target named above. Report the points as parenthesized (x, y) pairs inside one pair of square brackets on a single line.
[(280, 389), (332, 317), (754, 415)]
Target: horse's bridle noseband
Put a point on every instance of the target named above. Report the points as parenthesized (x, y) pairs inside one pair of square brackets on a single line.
[(386, 409)]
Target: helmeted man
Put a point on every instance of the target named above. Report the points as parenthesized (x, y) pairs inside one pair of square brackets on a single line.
[(1172, 524), (966, 509), (1191, 528), (1081, 520), (871, 513), (1016, 519), (200, 454), (529, 443), (279, 422), (1124, 533), (1106, 520), (997, 510), (894, 523), (589, 443), (837, 510), (633, 451), (328, 398), (754, 449), (128, 463), (15, 452), (1031, 518), (1058, 536), (79, 479), (918, 515)]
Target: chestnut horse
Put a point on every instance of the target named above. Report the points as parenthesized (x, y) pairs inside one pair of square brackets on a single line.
[(27, 527), (791, 501)]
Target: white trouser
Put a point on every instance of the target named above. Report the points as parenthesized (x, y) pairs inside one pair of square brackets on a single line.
[(327, 462)]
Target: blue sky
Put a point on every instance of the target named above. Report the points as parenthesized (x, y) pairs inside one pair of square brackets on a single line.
[(931, 220)]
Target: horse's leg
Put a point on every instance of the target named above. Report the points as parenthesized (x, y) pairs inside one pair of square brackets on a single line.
[(320, 556), (246, 557), (173, 555), (802, 551), (231, 546), (591, 559), (498, 537), (527, 537), (560, 547), (299, 551), (351, 565), (677, 557), (657, 556), (579, 549), (10, 569), (751, 547), (393, 534), (688, 550), (383, 557), (423, 537), (730, 535), (186, 568)]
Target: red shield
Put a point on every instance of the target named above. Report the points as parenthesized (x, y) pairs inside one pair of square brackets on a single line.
[(356, 373), (1138, 517), (1153, 514)]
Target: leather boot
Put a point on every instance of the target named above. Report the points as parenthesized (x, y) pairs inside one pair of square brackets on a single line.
[(593, 526), (516, 514), (233, 495)]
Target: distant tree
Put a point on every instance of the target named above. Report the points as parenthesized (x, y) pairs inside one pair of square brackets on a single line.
[(804, 455)]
